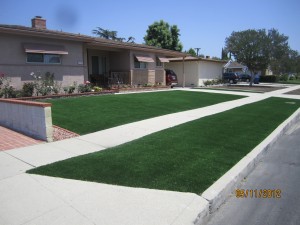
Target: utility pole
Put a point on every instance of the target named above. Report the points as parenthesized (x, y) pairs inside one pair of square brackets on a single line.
[(197, 49)]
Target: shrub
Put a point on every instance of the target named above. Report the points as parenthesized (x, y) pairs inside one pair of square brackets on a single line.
[(212, 82), (86, 87), (284, 77), (97, 89), (269, 79), (28, 89), (71, 89), (207, 82), (57, 87), (6, 90)]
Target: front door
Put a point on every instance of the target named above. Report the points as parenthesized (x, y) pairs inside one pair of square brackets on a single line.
[(98, 70)]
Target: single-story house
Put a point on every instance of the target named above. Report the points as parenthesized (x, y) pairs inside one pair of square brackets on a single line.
[(77, 58), (193, 71), (233, 66)]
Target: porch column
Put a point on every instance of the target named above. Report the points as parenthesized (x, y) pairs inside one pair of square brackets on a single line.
[(130, 77)]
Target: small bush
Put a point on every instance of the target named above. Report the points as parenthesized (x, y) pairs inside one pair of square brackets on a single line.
[(71, 89), (213, 82), (284, 77), (86, 87), (28, 89), (269, 79), (97, 89)]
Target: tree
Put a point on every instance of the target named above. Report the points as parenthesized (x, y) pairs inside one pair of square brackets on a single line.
[(111, 35), (192, 52), (224, 55), (161, 34), (103, 33), (131, 39), (280, 51), (251, 48)]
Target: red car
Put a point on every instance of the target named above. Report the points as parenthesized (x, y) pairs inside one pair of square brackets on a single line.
[(171, 78)]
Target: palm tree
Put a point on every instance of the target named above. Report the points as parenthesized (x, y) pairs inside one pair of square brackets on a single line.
[(111, 35), (131, 39), (102, 33)]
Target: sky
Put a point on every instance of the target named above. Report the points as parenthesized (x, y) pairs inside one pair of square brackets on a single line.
[(203, 24)]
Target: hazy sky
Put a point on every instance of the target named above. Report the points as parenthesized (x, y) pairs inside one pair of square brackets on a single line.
[(203, 24)]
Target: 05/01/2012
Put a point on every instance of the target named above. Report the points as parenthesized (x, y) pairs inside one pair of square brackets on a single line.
[(258, 193)]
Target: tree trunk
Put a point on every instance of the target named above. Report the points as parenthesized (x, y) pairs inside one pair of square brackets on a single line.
[(252, 79)]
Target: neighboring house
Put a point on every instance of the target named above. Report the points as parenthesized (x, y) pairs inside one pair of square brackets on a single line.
[(77, 58), (233, 66), (193, 71)]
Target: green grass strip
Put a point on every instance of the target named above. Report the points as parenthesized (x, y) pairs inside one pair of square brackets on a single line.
[(89, 114), (290, 82), (186, 158)]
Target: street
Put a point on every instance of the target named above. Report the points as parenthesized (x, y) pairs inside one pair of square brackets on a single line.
[(270, 194)]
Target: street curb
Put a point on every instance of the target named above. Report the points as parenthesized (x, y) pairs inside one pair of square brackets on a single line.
[(218, 192)]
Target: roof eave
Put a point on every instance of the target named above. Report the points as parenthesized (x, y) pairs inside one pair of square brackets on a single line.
[(45, 32), (136, 47)]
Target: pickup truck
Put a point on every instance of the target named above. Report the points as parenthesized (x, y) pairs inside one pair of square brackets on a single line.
[(231, 78)]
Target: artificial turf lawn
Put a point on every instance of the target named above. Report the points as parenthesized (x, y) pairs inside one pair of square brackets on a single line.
[(90, 114), (186, 158)]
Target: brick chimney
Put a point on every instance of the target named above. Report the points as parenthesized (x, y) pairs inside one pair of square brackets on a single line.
[(38, 22)]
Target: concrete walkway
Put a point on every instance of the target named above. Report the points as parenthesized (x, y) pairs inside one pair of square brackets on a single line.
[(32, 199)]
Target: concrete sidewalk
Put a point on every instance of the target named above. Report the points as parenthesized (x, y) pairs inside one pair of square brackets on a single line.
[(31, 199)]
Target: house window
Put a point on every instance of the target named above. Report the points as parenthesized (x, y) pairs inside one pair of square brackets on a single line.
[(158, 62), (43, 58), (139, 65)]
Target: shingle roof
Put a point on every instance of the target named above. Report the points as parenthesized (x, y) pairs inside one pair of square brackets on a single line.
[(91, 41), (235, 65), (191, 58)]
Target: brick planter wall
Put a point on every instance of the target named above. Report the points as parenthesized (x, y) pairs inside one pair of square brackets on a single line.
[(30, 118)]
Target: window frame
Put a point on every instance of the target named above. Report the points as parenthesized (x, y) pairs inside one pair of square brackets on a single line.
[(140, 65), (158, 63), (46, 58)]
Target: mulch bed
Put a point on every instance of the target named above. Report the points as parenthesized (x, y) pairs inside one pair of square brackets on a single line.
[(61, 133), (68, 95), (295, 92)]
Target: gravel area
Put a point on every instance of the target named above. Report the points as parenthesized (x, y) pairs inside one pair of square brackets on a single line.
[(61, 134)]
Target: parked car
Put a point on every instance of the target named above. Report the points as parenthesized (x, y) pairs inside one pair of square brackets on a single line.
[(232, 78), (244, 77), (171, 78), (256, 79)]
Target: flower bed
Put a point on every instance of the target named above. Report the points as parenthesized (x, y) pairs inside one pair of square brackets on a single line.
[(69, 95)]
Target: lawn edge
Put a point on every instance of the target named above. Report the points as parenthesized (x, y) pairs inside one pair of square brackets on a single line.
[(219, 191)]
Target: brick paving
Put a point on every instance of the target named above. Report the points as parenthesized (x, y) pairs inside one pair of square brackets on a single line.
[(10, 139)]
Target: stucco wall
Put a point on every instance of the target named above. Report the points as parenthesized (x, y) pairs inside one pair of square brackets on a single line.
[(209, 71), (139, 77), (13, 60), (160, 77), (196, 72), (31, 118), (151, 74), (191, 72), (119, 61)]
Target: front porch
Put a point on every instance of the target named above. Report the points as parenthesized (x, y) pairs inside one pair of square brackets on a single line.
[(109, 67)]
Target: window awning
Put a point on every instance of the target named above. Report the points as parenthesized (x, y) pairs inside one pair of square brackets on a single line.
[(42, 48), (163, 59), (144, 59)]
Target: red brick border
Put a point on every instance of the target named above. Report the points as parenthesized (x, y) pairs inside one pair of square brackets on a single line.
[(20, 102)]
